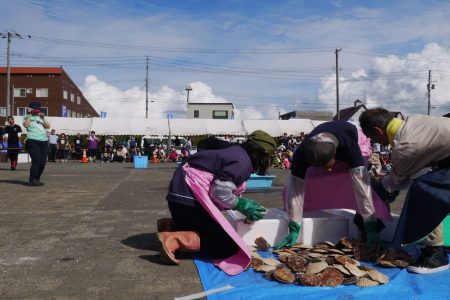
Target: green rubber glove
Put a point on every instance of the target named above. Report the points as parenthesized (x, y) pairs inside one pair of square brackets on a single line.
[(291, 239), (250, 208), (372, 233)]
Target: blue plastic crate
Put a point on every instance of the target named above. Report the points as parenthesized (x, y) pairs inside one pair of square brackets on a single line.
[(260, 182), (140, 162)]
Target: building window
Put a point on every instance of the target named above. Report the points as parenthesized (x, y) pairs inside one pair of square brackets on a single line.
[(65, 94), (74, 114), (196, 114), (41, 92), (72, 97), (20, 92), (220, 114), (2, 111), (78, 100), (29, 91), (23, 111)]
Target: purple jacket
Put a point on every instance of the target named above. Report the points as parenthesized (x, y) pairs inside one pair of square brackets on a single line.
[(230, 164)]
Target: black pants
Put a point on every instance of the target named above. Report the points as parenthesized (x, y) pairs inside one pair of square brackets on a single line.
[(13, 154), (38, 152), (52, 154), (214, 241), (78, 153)]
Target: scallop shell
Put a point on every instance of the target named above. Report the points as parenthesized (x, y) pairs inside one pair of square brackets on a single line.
[(329, 260), (256, 262), (317, 267), (400, 263), (265, 268), (315, 255), (302, 246), (350, 280), (366, 282), (256, 255), (378, 276), (296, 263), (346, 242), (262, 244), (284, 275), (269, 275), (386, 263), (354, 270), (310, 279), (331, 277), (320, 250), (342, 269), (345, 259), (366, 253), (271, 261), (336, 251), (365, 268), (290, 251), (284, 257)]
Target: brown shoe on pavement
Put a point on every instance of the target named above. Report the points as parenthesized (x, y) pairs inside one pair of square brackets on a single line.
[(170, 242)]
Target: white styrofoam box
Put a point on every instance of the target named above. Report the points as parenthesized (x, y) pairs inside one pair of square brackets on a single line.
[(273, 227), (23, 158), (386, 235), (317, 227)]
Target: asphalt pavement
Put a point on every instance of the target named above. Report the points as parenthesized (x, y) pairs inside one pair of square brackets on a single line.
[(89, 233)]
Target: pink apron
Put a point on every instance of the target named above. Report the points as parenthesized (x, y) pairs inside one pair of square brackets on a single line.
[(199, 183), (325, 190)]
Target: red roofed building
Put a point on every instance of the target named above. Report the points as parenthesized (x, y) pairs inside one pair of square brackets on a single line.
[(51, 86)]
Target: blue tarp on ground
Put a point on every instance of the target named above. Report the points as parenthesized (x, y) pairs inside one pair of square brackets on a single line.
[(253, 285)]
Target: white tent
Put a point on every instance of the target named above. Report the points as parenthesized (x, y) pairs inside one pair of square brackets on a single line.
[(188, 127), (296, 126), (221, 127), (118, 126), (156, 127)]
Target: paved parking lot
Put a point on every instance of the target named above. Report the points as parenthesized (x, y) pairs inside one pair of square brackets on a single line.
[(89, 233)]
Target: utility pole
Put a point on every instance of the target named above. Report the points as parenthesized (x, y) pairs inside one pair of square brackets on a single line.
[(9, 35), (429, 88), (146, 90), (336, 52)]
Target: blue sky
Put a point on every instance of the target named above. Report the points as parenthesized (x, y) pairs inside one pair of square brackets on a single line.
[(267, 57)]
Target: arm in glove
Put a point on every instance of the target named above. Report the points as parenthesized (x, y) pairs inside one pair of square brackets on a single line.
[(372, 233), (291, 239), (250, 208), (384, 194)]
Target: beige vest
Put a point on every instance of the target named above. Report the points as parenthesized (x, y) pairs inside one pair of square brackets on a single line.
[(421, 142)]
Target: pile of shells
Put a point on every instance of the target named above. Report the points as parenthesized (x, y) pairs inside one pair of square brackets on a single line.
[(327, 264)]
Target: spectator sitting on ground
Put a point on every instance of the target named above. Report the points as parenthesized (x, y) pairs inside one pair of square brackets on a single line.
[(276, 160), (139, 152), (160, 154), (173, 155), (184, 153), (121, 153), (107, 155), (286, 164)]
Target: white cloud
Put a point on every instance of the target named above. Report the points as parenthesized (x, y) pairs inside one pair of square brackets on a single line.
[(397, 83), (131, 102)]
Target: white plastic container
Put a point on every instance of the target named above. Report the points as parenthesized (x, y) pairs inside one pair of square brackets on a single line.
[(317, 227), (386, 235)]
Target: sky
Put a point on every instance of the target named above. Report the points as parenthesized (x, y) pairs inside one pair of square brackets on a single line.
[(266, 57)]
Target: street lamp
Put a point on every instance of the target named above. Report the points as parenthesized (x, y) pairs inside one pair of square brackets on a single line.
[(188, 89)]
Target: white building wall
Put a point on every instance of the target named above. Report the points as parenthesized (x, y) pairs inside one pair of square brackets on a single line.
[(206, 110)]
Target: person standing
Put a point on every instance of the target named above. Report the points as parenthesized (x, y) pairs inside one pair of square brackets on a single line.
[(12, 136), (92, 146), (78, 146), (62, 147), (418, 143), (37, 141), (53, 145)]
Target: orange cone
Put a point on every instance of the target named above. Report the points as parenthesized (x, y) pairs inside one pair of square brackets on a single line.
[(154, 159), (84, 158)]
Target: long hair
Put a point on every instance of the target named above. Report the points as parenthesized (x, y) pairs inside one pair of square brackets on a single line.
[(259, 157)]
